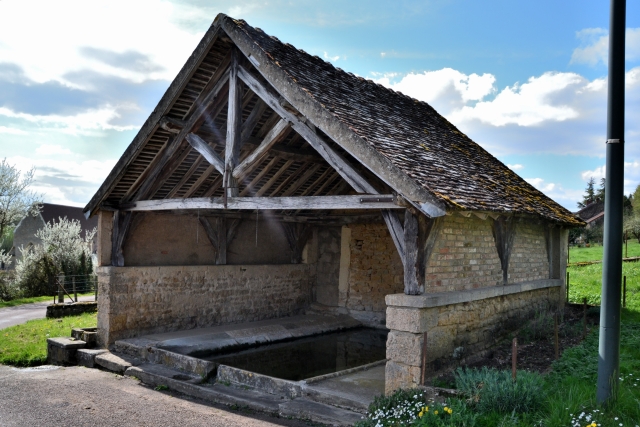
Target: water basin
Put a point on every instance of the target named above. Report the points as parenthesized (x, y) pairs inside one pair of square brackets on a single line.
[(311, 356)]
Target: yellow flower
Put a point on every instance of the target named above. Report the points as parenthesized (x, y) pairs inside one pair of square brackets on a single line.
[(435, 412), (421, 414)]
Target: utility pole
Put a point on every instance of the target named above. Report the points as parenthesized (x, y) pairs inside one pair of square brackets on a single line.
[(609, 346)]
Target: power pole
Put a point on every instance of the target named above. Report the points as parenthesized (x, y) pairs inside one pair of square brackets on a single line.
[(609, 346)]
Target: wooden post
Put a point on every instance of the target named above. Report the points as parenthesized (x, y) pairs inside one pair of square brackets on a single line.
[(555, 334), (424, 358), (73, 286), (60, 288), (567, 286), (584, 318), (411, 280), (234, 128), (514, 357), (624, 291)]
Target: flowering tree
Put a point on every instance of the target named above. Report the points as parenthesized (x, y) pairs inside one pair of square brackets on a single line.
[(16, 200), (63, 251)]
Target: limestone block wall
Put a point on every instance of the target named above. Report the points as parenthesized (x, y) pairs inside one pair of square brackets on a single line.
[(457, 324), (141, 300)]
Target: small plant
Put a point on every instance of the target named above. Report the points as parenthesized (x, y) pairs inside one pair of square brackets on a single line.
[(493, 390), (161, 387), (540, 327)]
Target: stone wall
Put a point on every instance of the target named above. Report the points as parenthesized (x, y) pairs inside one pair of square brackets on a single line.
[(328, 265), (457, 324), (142, 300), (375, 270), (529, 259)]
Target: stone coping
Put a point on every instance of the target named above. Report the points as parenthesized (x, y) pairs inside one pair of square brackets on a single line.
[(440, 299), (109, 269)]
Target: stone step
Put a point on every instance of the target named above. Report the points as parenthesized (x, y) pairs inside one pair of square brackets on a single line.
[(117, 363), (87, 357), (337, 399), (319, 412)]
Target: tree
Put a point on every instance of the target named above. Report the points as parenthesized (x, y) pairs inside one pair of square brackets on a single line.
[(16, 200), (636, 202), (63, 251), (599, 196), (589, 194)]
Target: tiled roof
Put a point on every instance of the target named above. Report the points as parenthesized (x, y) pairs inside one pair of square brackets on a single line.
[(413, 136)]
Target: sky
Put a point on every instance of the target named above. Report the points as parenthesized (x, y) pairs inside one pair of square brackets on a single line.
[(526, 80)]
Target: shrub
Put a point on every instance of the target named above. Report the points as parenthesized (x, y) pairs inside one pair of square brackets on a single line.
[(63, 251), (8, 290), (494, 390)]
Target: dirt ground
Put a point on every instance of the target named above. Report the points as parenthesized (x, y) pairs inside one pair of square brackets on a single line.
[(536, 343)]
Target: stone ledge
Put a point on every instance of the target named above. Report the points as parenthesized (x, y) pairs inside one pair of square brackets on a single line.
[(447, 298)]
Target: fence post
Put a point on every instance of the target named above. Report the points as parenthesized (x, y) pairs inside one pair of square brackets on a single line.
[(60, 288), (514, 357), (624, 292), (75, 293), (567, 287), (555, 334)]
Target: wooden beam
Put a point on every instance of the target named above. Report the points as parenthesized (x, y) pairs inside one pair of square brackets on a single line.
[(396, 230), (297, 235), (253, 119), (234, 122), (221, 232), (206, 151), (285, 183), (248, 164), (211, 233), (174, 143), (429, 229), (412, 279), (382, 201), (338, 162), (504, 228), (121, 224)]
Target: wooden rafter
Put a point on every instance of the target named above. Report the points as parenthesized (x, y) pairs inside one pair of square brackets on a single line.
[(234, 123), (290, 191), (285, 183), (185, 177), (252, 160), (265, 170), (201, 146), (267, 185)]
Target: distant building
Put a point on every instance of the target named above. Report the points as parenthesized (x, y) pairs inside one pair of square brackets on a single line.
[(24, 236), (592, 214)]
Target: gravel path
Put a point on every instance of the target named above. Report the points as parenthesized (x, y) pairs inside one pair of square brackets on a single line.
[(11, 316), (51, 396)]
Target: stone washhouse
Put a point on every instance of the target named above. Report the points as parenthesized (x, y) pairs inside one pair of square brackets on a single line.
[(267, 181)]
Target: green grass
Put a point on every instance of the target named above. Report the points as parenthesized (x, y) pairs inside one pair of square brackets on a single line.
[(26, 344), (594, 253), (586, 282), (21, 301)]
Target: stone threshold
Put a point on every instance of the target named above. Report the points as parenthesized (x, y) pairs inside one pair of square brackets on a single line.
[(439, 299)]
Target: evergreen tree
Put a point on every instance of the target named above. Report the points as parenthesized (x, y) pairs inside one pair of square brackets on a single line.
[(589, 194)]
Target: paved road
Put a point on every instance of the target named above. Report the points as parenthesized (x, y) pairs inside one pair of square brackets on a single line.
[(11, 316), (52, 396)]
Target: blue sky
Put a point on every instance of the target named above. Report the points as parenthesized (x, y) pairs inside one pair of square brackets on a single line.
[(526, 80)]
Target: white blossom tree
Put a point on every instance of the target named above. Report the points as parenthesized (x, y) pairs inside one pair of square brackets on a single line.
[(16, 200)]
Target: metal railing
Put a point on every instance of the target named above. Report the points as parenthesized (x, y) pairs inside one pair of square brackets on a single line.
[(72, 285)]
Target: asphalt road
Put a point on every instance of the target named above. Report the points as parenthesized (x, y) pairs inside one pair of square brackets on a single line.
[(75, 396), (10, 316)]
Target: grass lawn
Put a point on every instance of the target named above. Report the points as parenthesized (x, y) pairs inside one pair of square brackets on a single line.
[(21, 301), (594, 253), (26, 344)]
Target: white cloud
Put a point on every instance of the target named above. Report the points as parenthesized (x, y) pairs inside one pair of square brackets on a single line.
[(631, 175), (595, 46), (48, 49), (64, 180), (49, 149), (515, 167), (557, 192), (330, 58), (12, 131), (89, 120), (597, 174)]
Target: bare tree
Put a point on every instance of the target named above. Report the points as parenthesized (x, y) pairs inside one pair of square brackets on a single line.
[(16, 200)]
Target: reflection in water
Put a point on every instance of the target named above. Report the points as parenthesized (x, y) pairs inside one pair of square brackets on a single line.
[(313, 356)]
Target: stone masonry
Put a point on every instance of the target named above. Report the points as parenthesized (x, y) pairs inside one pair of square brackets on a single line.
[(457, 324), (142, 300)]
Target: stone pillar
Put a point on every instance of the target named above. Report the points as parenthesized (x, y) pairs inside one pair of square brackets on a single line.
[(105, 226), (408, 319)]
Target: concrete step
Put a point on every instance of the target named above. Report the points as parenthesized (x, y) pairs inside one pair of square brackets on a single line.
[(117, 363), (319, 412), (87, 357), (337, 399), (154, 376)]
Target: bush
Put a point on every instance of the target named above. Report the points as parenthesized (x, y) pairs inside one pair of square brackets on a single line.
[(63, 251), (494, 390), (8, 290)]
